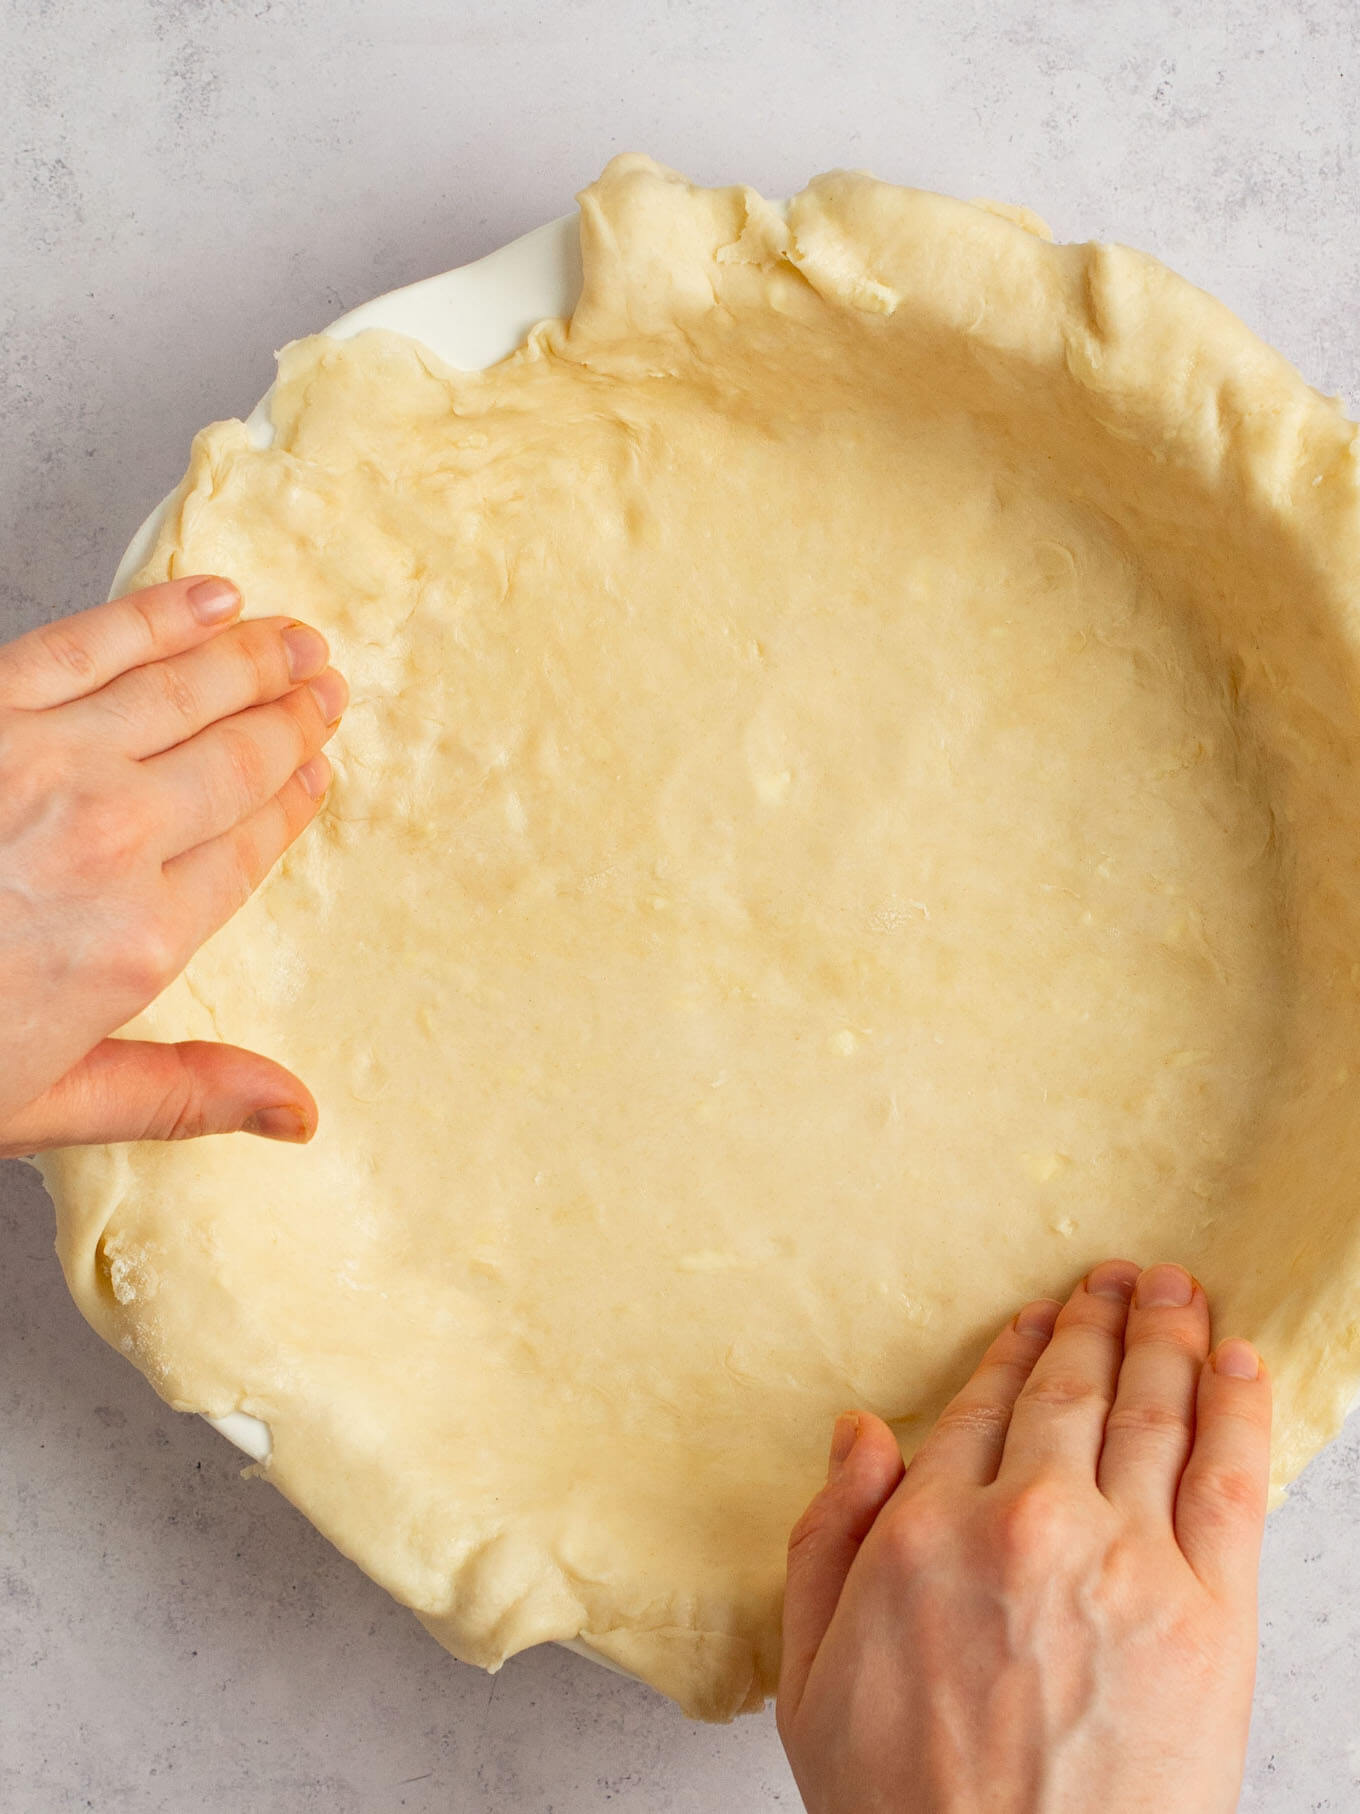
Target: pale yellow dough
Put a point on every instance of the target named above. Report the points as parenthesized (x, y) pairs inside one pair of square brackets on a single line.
[(849, 815)]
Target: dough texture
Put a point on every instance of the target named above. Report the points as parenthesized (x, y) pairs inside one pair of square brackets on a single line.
[(849, 815)]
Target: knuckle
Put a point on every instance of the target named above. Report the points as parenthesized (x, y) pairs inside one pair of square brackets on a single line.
[(1062, 1391), (138, 607), (178, 1112), (125, 702), (809, 1528), (25, 761), (308, 718), (1147, 1418), (185, 1116), (915, 1535), (1032, 1527), (1180, 1339), (245, 765), (1230, 1493), (149, 959), (260, 650), (109, 834), (977, 1417), (64, 649), (177, 695), (245, 871), (1122, 1584)]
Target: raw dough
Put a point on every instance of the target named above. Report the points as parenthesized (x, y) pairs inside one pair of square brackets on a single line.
[(849, 815)]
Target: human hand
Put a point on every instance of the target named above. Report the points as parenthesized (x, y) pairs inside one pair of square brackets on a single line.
[(156, 759), (1053, 1611)]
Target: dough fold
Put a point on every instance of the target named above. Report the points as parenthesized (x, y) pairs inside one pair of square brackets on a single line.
[(848, 816)]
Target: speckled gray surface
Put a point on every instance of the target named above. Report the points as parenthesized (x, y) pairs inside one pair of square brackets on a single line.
[(186, 185)]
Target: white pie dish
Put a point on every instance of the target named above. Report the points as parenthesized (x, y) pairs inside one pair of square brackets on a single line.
[(470, 317), (1082, 339)]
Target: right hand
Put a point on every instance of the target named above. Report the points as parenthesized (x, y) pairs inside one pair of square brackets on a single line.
[(1053, 1610), (156, 759)]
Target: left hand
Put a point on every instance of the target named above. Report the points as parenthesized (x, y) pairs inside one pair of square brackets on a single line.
[(156, 759)]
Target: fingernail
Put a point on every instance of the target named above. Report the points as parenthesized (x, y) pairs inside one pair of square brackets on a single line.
[(213, 601), (307, 651), (1164, 1288), (1112, 1280), (1237, 1360), (332, 694), (315, 776), (1038, 1318), (843, 1438), (283, 1123)]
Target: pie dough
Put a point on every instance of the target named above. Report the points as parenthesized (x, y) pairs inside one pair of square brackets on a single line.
[(849, 815)]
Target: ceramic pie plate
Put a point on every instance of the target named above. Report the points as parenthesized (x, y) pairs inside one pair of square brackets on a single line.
[(470, 317), (474, 316)]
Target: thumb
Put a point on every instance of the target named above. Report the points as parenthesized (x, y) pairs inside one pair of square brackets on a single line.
[(134, 1089), (866, 1466)]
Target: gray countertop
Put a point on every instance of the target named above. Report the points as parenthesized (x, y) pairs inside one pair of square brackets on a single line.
[(187, 185)]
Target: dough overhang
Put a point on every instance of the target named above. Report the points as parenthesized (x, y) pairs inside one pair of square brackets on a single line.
[(848, 816)]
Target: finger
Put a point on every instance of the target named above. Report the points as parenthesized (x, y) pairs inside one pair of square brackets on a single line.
[(967, 1442), (228, 772), (1221, 1505), (1152, 1423), (162, 703), (866, 1465), (132, 1089), (77, 655), (212, 881), (1059, 1417)]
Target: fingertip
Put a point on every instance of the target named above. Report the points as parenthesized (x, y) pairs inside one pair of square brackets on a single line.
[(864, 1470), (1114, 1279), (252, 1094), (1165, 1287), (306, 649), (285, 1121), (1237, 1359), (874, 1458), (824, 1542), (843, 1436), (331, 692), (213, 600), (1037, 1318), (315, 777), (1223, 1495)]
